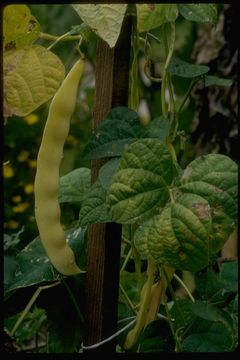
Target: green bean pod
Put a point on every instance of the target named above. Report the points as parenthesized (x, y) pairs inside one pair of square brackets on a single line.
[(46, 186)]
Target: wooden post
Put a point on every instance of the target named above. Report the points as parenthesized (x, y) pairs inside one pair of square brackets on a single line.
[(104, 240)]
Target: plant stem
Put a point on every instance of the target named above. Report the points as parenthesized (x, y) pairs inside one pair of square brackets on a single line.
[(143, 311), (64, 37), (29, 305), (126, 260), (127, 298), (178, 345), (187, 95), (73, 300), (134, 95), (184, 286), (168, 59)]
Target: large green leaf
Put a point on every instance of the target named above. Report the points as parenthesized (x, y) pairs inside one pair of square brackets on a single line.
[(199, 12), (107, 171), (156, 337), (33, 266), (121, 128), (156, 129), (215, 338), (140, 184), (104, 19), (32, 75), (20, 28), (94, 209), (177, 237), (208, 311), (186, 70), (150, 16), (181, 313), (214, 177), (189, 231), (74, 185)]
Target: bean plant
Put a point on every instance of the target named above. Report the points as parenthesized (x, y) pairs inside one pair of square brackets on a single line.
[(175, 219)]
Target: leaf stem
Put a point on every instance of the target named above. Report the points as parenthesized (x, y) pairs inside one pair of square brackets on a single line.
[(29, 305), (64, 37), (187, 95)]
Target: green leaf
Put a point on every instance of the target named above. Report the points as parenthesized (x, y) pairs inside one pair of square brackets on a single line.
[(204, 343), (140, 184), (212, 337), (188, 232), (104, 19), (199, 12), (179, 236), (34, 267), (181, 313), (119, 129), (74, 185), (229, 275), (214, 177), (65, 329), (186, 70), (157, 128), (157, 337), (150, 16), (214, 80), (20, 28), (132, 284), (10, 266), (25, 90), (107, 171), (209, 286), (210, 312), (94, 209)]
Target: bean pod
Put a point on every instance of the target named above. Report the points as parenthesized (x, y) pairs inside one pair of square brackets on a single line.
[(47, 208)]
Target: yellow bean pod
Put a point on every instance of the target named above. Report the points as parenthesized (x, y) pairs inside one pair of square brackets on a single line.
[(47, 208)]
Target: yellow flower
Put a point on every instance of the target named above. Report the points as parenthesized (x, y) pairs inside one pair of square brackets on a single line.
[(12, 224), (23, 156), (29, 188), (20, 208), (8, 171), (31, 119), (32, 164), (16, 198)]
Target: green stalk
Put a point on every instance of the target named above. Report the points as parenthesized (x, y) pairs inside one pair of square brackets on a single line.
[(126, 260), (73, 300), (64, 37), (168, 59), (187, 95), (129, 302), (29, 305), (134, 95), (184, 286)]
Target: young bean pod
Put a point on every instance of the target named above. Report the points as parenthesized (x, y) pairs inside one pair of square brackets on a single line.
[(47, 208)]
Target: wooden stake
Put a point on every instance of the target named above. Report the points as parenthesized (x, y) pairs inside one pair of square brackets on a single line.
[(104, 240)]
